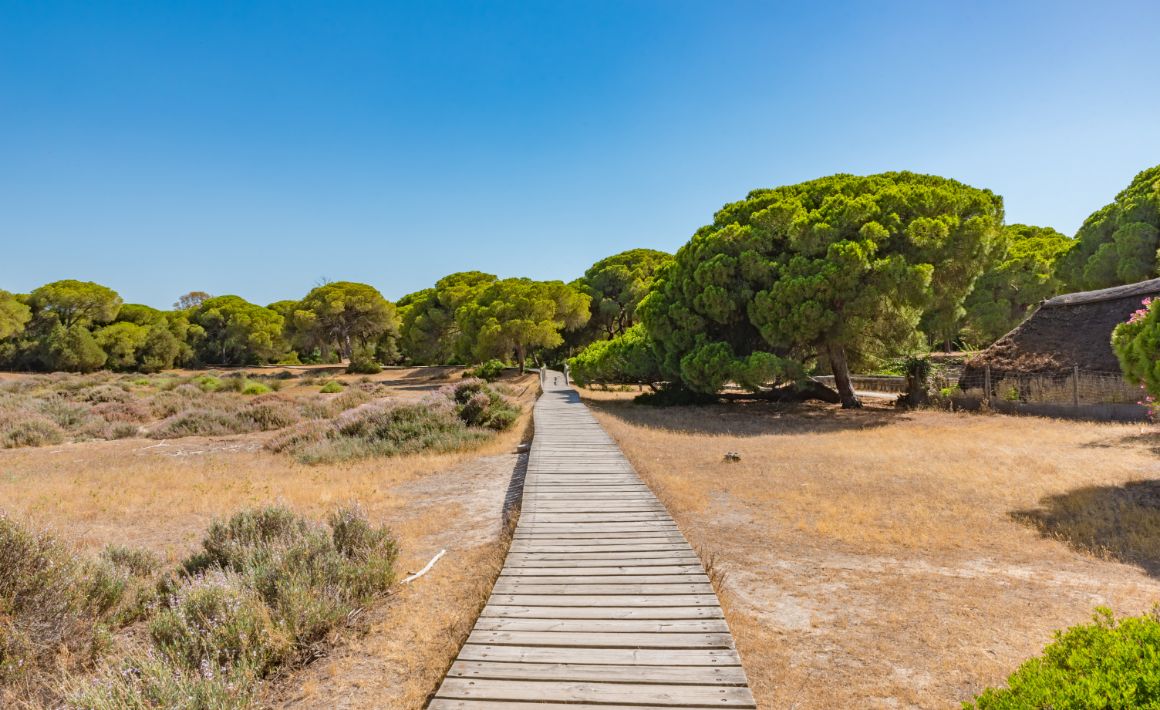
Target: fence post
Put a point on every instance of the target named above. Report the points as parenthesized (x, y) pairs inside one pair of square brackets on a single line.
[(1075, 386), (987, 385)]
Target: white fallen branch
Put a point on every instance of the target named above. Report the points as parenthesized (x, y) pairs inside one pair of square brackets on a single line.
[(426, 569)]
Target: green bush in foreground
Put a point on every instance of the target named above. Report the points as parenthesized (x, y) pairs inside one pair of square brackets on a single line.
[(489, 371), (1108, 664), (267, 587)]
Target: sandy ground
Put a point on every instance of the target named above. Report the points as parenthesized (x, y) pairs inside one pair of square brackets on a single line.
[(883, 560)]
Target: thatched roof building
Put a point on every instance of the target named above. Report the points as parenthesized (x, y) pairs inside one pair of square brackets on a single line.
[(1071, 330)]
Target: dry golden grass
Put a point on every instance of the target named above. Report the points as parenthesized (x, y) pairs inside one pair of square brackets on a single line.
[(163, 495), (888, 559)]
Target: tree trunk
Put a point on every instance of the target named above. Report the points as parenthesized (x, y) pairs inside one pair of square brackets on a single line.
[(520, 357), (841, 371)]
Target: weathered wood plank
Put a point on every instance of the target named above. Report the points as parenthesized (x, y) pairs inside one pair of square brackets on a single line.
[(580, 639), (601, 612), (572, 691), (601, 602), (673, 675), (646, 626)]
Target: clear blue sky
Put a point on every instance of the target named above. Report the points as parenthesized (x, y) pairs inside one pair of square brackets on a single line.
[(256, 148)]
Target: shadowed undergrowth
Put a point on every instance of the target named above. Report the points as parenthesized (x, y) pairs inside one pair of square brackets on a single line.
[(1117, 522)]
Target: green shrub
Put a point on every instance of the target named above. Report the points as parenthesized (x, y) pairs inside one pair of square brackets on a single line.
[(384, 429), (233, 383), (1105, 664), (208, 383), (265, 589), (308, 576), (147, 680), (217, 619), (363, 363), (332, 387), (481, 406), (489, 371), (255, 388)]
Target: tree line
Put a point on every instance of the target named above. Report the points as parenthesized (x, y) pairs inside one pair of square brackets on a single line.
[(829, 275), (845, 272), (470, 317)]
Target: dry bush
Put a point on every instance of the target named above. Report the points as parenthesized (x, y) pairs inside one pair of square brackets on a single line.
[(202, 422), (19, 428), (56, 606), (268, 412), (265, 591), (456, 417)]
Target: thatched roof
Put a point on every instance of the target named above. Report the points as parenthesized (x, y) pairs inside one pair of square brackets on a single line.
[(1066, 331)]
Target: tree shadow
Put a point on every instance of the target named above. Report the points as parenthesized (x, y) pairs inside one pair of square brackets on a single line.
[(754, 418), (1149, 439), (1121, 523)]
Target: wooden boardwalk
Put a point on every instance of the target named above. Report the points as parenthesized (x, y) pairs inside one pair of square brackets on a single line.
[(601, 602)]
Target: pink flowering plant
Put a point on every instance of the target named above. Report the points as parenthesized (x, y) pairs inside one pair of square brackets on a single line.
[(1136, 343)]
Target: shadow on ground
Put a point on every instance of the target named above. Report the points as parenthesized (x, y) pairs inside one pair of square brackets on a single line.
[(1116, 522), (1149, 439), (751, 418)]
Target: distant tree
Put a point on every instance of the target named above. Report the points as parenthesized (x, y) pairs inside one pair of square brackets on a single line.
[(616, 285), (309, 343), (629, 358), (122, 343), (140, 314), (517, 316), (73, 302), (1118, 243), (348, 314), (430, 332), (14, 315), (72, 349), (233, 331), (1023, 275), (191, 300), (840, 268)]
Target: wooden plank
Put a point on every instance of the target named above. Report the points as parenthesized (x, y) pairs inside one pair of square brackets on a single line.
[(573, 691), (633, 599), (602, 590), (673, 675), (601, 612), (581, 639), (601, 602), (466, 704), (697, 577), (543, 570), (645, 626), (678, 657)]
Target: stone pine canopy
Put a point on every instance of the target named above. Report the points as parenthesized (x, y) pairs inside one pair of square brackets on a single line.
[(1074, 329)]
